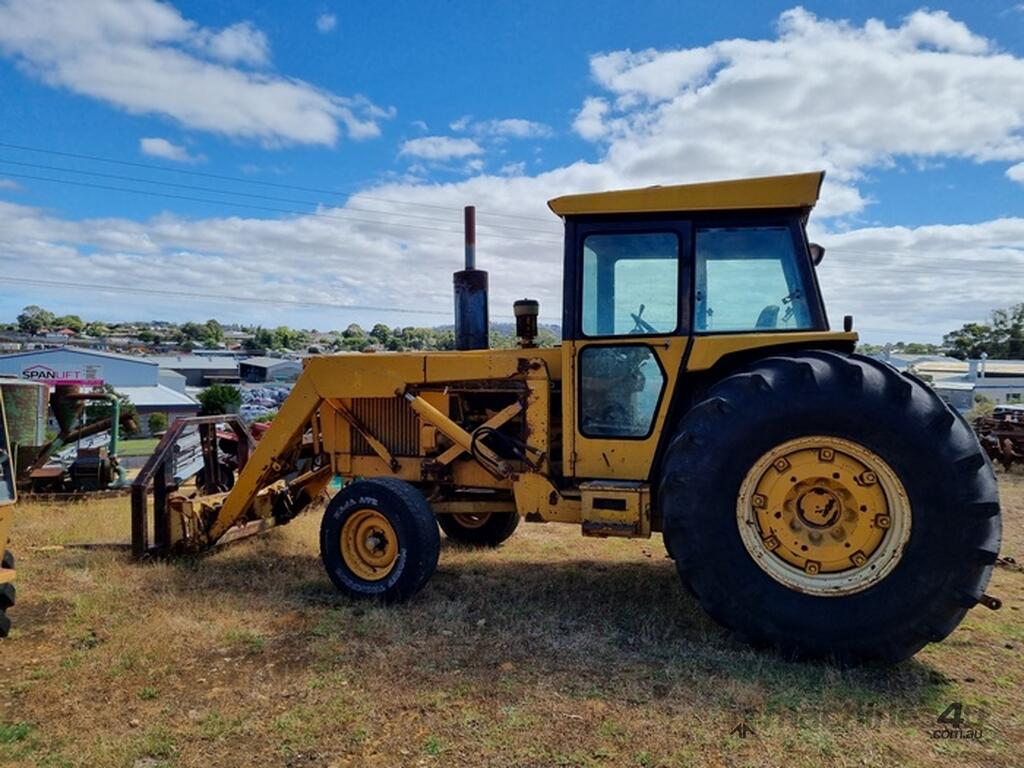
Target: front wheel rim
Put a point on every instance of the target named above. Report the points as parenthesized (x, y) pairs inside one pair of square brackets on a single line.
[(369, 544), (823, 515)]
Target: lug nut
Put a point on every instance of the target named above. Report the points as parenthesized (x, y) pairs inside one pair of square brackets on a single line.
[(868, 478), (759, 501), (826, 454), (811, 568), (771, 542), (882, 521), (858, 558), (781, 465)]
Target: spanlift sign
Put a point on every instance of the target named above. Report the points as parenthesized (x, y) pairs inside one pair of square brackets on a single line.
[(85, 376)]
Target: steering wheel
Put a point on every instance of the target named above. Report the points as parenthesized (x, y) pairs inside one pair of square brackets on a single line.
[(641, 325)]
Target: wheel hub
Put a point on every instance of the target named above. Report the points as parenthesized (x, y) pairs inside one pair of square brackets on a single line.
[(823, 515), (818, 507), (369, 544)]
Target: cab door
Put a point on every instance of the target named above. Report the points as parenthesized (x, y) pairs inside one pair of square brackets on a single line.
[(625, 336)]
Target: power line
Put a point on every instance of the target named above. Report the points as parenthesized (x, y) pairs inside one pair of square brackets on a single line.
[(215, 190), (254, 206), (259, 182)]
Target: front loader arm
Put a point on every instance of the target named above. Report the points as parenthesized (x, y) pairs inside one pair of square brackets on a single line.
[(264, 466)]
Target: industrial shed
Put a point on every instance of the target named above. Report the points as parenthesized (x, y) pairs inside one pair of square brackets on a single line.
[(200, 370), (257, 370)]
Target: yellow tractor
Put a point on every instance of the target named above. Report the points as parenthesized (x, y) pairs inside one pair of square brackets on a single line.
[(814, 500)]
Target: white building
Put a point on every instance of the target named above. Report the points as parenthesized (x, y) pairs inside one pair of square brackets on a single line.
[(148, 388)]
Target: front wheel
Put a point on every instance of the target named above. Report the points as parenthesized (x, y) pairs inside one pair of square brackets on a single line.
[(828, 506), (379, 539)]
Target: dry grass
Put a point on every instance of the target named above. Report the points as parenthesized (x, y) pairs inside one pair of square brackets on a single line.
[(553, 650)]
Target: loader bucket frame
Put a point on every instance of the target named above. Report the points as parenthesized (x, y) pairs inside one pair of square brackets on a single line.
[(157, 476)]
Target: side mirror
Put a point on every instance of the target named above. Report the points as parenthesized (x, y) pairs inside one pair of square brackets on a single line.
[(817, 253)]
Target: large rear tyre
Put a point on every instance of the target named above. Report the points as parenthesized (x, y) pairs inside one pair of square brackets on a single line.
[(485, 530), (830, 507), (379, 539)]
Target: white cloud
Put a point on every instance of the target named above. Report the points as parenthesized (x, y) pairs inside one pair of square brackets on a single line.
[(513, 169), (510, 127), (440, 148), (9, 184), (819, 94), (241, 43), (516, 128), (144, 57), (326, 22), (589, 121), (1016, 172), (157, 147), (823, 93)]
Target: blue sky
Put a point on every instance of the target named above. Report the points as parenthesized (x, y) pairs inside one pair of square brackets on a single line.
[(918, 115)]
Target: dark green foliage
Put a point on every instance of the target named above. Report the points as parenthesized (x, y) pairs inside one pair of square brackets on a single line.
[(219, 398)]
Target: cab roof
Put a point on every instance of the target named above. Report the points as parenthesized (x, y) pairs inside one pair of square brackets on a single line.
[(798, 190)]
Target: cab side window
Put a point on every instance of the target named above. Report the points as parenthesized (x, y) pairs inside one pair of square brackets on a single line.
[(748, 279), (630, 284)]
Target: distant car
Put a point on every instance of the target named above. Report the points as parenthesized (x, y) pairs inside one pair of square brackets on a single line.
[(1008, 412)]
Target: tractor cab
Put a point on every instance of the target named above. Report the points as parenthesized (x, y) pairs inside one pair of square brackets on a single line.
[(648, 271)]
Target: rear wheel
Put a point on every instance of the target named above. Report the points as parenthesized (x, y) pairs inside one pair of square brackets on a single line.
[(484, 530), (379, 539), (828, 506)]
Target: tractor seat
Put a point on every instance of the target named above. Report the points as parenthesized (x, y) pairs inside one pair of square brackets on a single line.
[(769, 317)]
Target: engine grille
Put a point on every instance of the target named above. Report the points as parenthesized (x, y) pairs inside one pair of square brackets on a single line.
[(390, 420)]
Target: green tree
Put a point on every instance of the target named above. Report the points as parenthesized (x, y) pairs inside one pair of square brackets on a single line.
[(261, 339), (214, 333), (381, 334), (192, 331), (33, 318), (74, 322), (1002, 338), (157, 422), (970, 341), (96, 329), (219, 398), (354, 331)]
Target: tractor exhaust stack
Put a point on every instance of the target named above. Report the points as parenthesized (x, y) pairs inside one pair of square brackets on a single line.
[(471, 321)]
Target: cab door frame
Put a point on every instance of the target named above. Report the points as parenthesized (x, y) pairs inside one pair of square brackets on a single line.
[(621, 457)]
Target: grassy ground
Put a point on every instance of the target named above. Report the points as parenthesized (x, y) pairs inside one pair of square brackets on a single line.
[(554, 650), (142, 446)]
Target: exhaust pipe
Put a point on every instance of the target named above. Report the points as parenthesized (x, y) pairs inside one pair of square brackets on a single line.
[(471, 319)]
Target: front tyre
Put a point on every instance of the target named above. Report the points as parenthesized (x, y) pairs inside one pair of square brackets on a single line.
[(828, 506), (379, 539)]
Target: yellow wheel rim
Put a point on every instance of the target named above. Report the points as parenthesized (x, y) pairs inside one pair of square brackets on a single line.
[(369, 544), (467, 520), (823, 515)]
